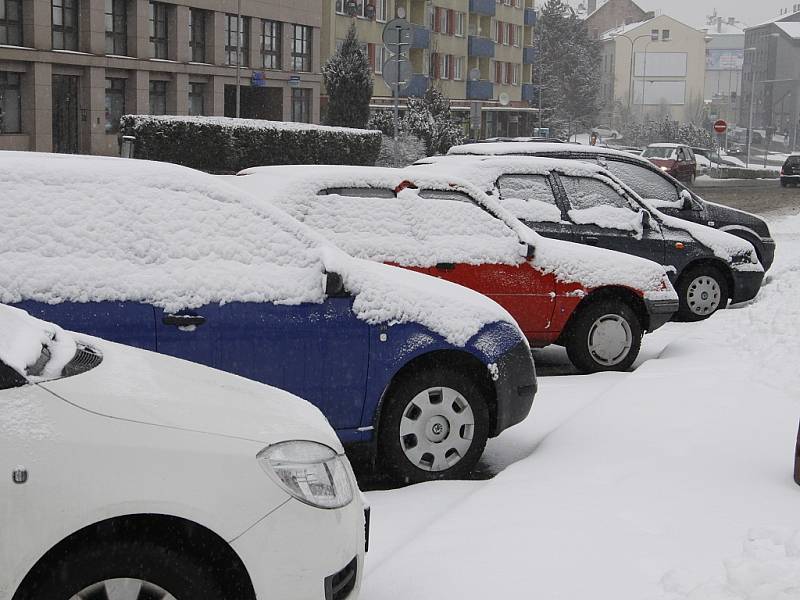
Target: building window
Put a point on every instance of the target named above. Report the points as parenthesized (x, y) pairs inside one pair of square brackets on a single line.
[(458, 75), (159, 30), (460, 20), (11, 22), (301, 105), (115, 103), (158, 97), (117, 27), (197, 34), (231, 47), (380, 58), (10, 103), (197, 95), (65, 24), (665, 35), (271, 42), (301, 48), (381, 10)]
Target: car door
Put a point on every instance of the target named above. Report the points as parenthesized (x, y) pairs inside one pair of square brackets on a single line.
[(603, 216), (530, 198)]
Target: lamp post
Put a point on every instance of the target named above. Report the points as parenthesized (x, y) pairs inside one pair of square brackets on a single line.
[(752, 97), (630, 72), (653, 38), (238, 58)]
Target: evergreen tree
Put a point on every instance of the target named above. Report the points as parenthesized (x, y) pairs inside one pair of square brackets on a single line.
[(429, 119), (348, 81), (568, 63)]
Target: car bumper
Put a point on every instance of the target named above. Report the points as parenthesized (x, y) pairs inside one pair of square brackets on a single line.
[(746, 285), (660, 311), (516, 387), (767, 252), (299, 552)]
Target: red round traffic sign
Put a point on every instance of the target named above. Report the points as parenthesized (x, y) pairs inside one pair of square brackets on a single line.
[(720, 126)]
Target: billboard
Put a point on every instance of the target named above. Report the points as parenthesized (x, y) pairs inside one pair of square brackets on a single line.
[(724, 60)]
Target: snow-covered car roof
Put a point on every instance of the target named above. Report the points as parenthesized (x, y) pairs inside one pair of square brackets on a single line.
[(23, 339), (406, 228), (667, 145), (88, 229), (526, 148)]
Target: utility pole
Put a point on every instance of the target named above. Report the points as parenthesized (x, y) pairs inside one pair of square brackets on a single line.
[(752, 98), (238, 58)]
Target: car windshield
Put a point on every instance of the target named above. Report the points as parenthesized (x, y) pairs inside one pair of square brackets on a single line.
[(659, 152)]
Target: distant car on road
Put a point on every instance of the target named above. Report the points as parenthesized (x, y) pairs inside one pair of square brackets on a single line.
[(129, 474), (790, 171), (649, 182), (675, 159)]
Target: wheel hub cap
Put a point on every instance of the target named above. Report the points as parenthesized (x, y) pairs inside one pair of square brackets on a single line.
[(436, 429), (703, 295), (123, 589), (610, 339)]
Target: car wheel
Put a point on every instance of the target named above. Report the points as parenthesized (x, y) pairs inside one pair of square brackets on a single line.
[(604, 336), (124, 570), (702, 291), (434, 426), (784, 184)]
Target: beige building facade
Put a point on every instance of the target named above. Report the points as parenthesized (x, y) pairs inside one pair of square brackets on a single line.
[(70, 68), (473, 51), (654, 69)]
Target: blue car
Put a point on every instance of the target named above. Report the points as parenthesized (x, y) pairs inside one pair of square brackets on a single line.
[(418, 371)]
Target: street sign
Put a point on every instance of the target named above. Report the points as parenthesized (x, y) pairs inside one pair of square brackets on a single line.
[(258, 79), (397, 70), (720, 126), (397, 36), (294, 81)]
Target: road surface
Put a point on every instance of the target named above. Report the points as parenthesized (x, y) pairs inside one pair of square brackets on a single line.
[(759, 196)]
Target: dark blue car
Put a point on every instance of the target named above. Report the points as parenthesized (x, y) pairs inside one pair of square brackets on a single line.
[(418, 371)]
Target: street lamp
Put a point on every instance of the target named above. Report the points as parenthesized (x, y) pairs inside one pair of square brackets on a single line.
[(630, 72), (752, 96), (653, 38)]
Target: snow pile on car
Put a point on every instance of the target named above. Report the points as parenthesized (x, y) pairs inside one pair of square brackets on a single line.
[(414, 230), (23, 339), (88, 229)]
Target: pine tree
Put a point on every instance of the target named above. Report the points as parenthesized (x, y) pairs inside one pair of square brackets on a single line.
[(348, 81), (569, 67), (429, 119)]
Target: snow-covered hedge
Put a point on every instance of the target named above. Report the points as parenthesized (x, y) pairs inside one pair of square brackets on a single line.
[(226, 145)]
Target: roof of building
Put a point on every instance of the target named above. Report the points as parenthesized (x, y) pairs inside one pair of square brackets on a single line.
[(776, 19), (792, 29)]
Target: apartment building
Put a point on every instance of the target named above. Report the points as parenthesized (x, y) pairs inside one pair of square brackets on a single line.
[(70, 68), (471, 50)]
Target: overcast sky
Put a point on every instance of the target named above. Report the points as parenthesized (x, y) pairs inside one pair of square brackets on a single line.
[(693, 12)]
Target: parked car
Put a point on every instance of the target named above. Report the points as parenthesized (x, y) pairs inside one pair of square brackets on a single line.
[(584, 203), (594, 302), (790, 171), (128, 474), (648, 181), (169, 259), (676, 159)]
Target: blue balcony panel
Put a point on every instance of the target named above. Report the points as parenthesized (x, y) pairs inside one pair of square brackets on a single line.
[(530, 17), (417, 87), (530, 92), (480, 90), (483, 7), (480, 47), (420, 37), (529, 56)]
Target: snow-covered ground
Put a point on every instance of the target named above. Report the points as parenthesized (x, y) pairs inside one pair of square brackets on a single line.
[(668, 483)]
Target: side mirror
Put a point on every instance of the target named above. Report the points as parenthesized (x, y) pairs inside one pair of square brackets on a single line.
[(687, 204), (646, 222), (333, 284), (527, 250)]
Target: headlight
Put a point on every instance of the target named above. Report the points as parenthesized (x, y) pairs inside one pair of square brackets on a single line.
[(309, 471), (665, 168)]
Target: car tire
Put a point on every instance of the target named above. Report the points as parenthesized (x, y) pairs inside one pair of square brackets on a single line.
[(702, 291), (605, 335), (434, 425), (153, 567), (784, 184)]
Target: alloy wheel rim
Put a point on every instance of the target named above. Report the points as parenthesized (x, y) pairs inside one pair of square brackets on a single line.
[(436, 429), (123, 589), (610, 340), (703, 295)]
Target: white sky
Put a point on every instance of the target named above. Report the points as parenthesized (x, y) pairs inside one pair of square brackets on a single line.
[(693, 12)]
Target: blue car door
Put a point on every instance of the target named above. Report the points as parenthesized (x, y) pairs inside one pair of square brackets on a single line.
[(128, 323), (319, 352)]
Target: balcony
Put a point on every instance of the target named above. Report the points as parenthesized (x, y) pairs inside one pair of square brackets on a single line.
[(530, 17), (480, 90), (420, 37), (483, 7), (529, 56), (530, 92), (480, 47), (417, 87)]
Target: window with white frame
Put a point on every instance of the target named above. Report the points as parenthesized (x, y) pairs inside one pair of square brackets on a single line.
[(447, 61), (515, 75), (458, 73), (442, 20), (461, 19), (380, 58), (381, 10), (517, 35)]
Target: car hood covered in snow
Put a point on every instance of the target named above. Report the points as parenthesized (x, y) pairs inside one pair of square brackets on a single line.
[(394, 229), (90, 229)]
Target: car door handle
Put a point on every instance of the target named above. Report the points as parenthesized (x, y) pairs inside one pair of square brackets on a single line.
[(445, 266), (183, 320), (591, 240)]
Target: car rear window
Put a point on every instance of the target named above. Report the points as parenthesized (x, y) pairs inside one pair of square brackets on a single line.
[(646, 183), (793, 161)]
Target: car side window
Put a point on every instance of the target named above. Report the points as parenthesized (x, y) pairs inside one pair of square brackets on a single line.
[(529, 197), (9, 378), (645, 182), (594, 202)]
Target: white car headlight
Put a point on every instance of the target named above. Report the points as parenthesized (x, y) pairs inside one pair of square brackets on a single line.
[(311, 472)]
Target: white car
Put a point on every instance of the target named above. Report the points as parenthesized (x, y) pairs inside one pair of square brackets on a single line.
[(129, 475)]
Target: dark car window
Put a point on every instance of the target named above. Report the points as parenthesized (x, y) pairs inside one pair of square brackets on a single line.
[(365, 192), (529, 197), (9, 378), (646, 183), (586, 192), (792, 161), (446, 195)]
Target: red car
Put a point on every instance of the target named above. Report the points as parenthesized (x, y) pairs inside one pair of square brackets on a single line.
[(595, 302), (676, 159)]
